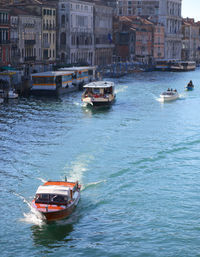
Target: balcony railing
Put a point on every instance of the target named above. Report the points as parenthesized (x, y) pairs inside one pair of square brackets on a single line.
[(29, 42), (4, 22), (4, 42), (46, 45), (30, 58)]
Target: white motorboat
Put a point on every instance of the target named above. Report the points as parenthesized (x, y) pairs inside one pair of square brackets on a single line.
[(169, 95), (99, 93), (12, 94)]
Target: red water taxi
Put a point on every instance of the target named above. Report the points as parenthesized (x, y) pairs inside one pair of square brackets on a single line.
[(57, 199)]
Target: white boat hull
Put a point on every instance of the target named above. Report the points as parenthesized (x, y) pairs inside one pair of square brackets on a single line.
[(166, 98)]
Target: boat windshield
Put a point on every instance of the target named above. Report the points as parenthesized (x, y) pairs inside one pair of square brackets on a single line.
[(51, 199)]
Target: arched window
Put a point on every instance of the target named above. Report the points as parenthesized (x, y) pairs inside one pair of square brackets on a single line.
[(63, 38), (62, 57), (63, 19)]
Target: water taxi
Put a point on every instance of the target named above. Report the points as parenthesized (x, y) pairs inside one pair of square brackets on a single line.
[(169, 95), (56, 200), (53, 82), (99, 93)]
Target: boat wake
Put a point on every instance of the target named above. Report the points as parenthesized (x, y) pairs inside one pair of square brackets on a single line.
[(92, 184), (42, 180), (77, 103), (33, 216), (78, 168), (122, 89), (182, 96)]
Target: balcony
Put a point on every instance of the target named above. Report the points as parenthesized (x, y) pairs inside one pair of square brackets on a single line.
[(29, 42), (4, 22), (30, 58), (46, 45), (4, 42)]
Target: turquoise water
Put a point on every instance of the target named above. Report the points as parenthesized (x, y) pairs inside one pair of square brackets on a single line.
[(138, 163)]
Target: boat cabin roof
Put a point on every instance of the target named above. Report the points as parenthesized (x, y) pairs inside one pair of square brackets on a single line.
[(58, 190), (100, 84), (56, 187), (82, 68), (51, 73)]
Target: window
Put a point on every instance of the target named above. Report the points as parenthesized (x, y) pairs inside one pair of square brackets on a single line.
[(63, 19)]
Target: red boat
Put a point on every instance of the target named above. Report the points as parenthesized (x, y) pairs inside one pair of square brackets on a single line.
[(57, 199)]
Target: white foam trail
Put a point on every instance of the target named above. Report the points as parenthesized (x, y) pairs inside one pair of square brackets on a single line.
[(93, 184), (122, 89), (159, 99), (78, 167), (182, 96), (33, 216), (42, 180), (77, 104)]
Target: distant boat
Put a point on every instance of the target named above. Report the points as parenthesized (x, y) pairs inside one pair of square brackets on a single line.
[(169, 95), (12, 94), (100, 93), (183, 66), (1, 100), (189, 87), (56, 200)]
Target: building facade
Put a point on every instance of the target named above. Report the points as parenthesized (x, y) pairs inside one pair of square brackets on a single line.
[(4, 37), (103, 38), (190, 40), (76, 32), (165, 12), (48, 33)]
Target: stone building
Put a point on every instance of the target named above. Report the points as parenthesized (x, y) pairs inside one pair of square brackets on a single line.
[(47, 12), (138, 39), (26, 36), (4, 37), (103, 39), (190, 40), (76, 32), (166, 12), (158, 41), (124, 36)]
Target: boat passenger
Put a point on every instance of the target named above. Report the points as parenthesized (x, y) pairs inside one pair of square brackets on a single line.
[(190, 84)]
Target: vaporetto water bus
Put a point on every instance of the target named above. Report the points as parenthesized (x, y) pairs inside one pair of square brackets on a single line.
[(83, 74), (183, 66), (99, 93), (53, 83)]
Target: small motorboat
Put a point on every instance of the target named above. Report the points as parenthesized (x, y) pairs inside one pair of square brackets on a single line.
[(99, 93), (1, 100), (56, 200), (12, 94), (169, 95), (189, 87)]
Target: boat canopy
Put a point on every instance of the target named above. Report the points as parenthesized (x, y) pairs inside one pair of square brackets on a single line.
[(99, 84), (51, 73), (57, 190)]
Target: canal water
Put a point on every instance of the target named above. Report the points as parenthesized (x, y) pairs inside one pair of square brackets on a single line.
[(138, 163)]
